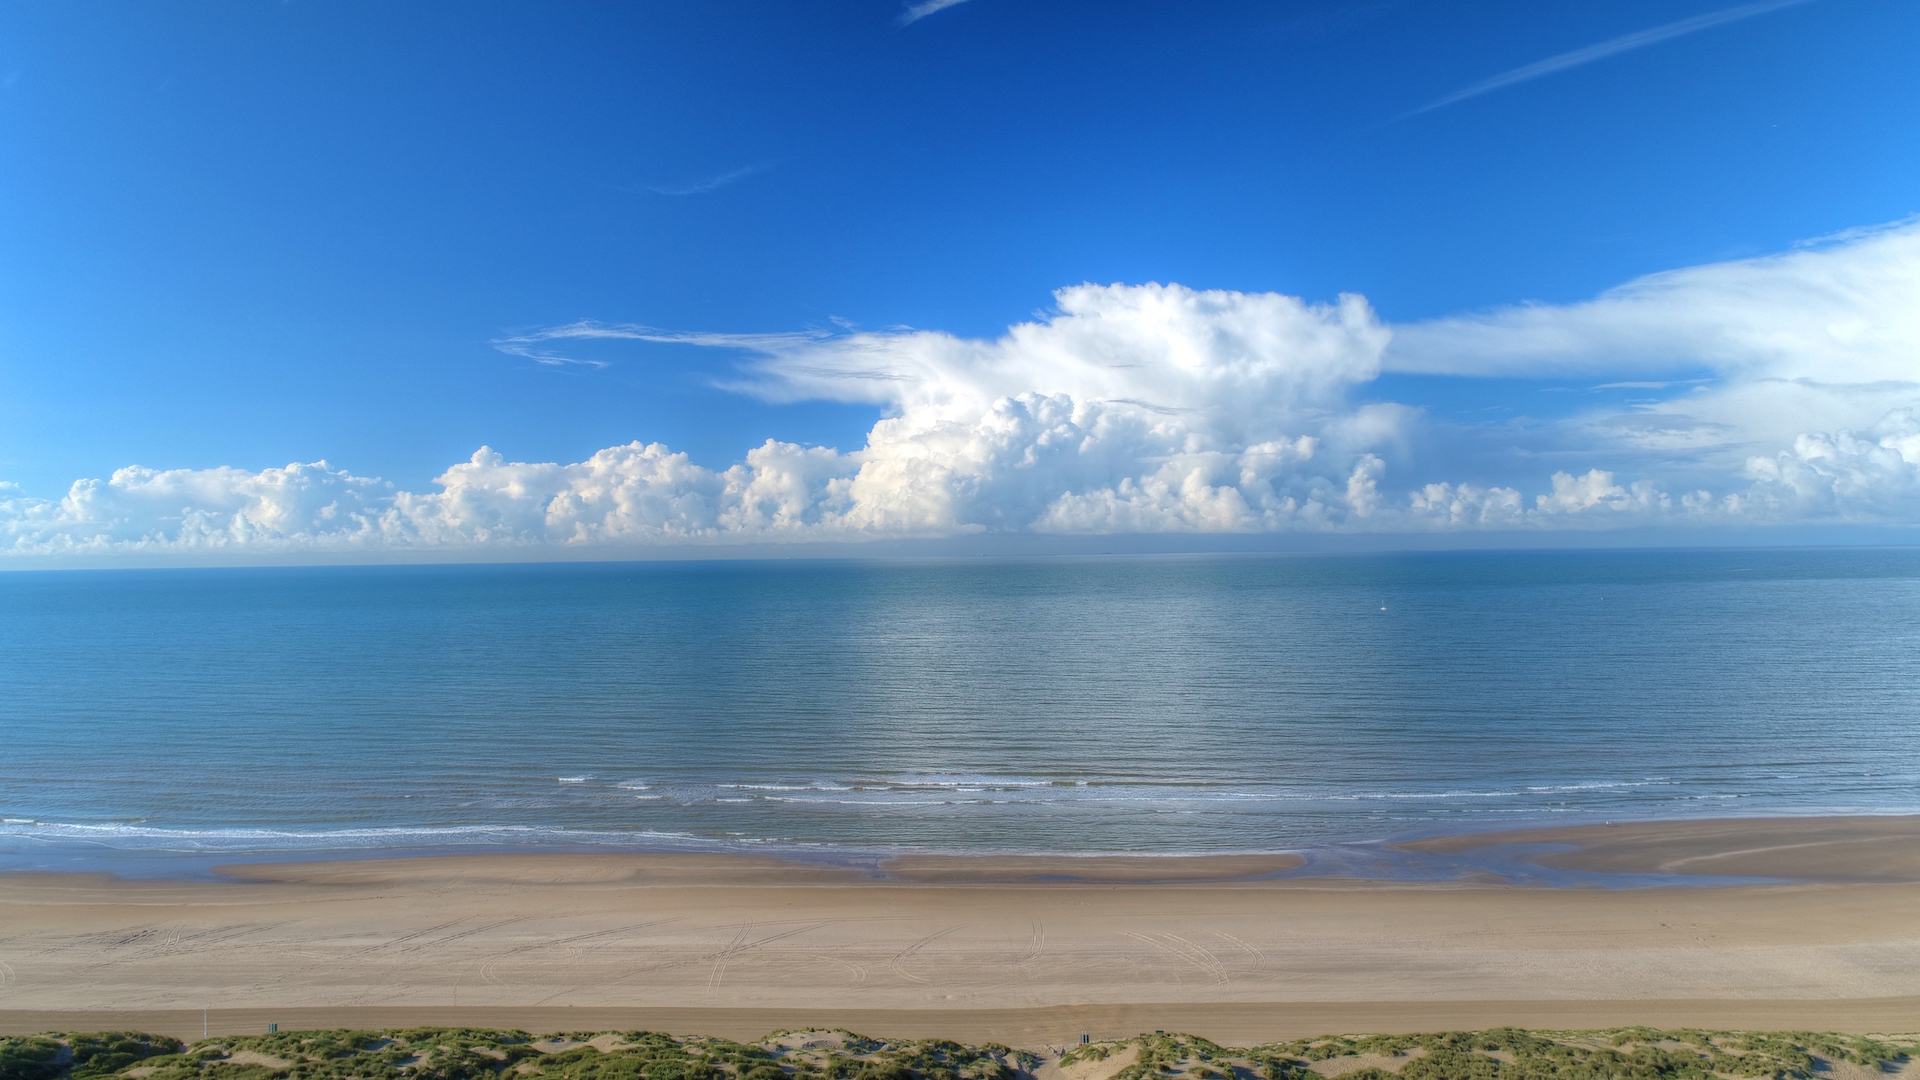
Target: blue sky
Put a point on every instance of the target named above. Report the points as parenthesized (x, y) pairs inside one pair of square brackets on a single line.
[(243, 235)]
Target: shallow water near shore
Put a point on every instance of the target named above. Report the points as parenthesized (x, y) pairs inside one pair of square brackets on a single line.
[(1133, 704)]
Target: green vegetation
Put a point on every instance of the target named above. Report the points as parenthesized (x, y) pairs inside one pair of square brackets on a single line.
[(474, 1054), (1504, 1054), (54, 1057), (478, 1054)]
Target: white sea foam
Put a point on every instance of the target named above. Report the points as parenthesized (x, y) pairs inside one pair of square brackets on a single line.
[(817, 786), (237, 839)]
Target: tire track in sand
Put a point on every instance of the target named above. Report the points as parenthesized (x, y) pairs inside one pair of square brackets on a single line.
[(908, 952), (1187, 951)]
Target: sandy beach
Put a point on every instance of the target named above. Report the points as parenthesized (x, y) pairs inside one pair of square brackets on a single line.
[(1028, 951), (1807, 849)]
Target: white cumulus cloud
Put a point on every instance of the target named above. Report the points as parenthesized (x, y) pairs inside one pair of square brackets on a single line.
[(299, 506), (1129, 408), (1163, 409), (1871, 475)]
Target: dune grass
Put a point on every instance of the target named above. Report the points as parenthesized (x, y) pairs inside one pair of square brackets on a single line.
[(1504, 1054), (476, 1054), (484, 1054)]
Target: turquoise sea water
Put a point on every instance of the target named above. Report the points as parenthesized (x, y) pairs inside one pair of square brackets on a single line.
[(1152, 704)]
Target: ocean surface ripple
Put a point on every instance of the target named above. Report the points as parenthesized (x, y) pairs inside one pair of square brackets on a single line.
[(1144, 704)]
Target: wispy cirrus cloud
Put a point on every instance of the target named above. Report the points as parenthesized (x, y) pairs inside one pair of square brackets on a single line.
[(536, 345), (1837, 310), (711, 183), (1645, 385), (915, 12), (1611, 47)]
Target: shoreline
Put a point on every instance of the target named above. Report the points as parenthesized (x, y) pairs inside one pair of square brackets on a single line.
[(1217, 942), (1859, 847)]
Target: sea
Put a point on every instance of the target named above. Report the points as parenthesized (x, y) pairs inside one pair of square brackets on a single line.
[(167, 721)]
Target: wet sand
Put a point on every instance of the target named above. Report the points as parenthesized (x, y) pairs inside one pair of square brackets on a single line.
[(1028, 951), (1807, 849)]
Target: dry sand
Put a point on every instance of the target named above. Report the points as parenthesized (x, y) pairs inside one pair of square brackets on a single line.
[(1024, 951)]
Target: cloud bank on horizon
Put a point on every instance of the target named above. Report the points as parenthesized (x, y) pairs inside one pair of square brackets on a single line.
[(1166, 409)]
